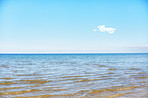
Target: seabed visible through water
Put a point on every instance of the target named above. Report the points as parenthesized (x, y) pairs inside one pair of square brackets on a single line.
[(74, 76)]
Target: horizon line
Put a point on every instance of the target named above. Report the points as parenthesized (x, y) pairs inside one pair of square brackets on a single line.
[(78, 53)]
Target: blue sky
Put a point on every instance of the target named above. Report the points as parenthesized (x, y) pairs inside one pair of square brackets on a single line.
[(67, 26)]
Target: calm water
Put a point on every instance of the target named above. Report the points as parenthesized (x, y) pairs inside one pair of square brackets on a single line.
[(74, 75)]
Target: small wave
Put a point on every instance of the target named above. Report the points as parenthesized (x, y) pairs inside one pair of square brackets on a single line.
[(86, 80), (6, 83), (27, 75), (19, 92), (8, 88), (71, 79), (40, 81), (100, 65), (119, 95), (4, 66), (58, 89), (6, 78), (70, 76), (112, 69), (134, 68), (141, 77), (113, 89), (51, 96)]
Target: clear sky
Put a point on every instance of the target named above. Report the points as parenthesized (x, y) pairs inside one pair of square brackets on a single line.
[(71, 26)]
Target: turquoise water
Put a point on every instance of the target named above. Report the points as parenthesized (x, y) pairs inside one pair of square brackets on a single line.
[(73, 75)]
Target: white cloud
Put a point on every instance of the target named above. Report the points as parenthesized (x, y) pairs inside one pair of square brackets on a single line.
[(102, 28), (95, 30), (146, 45)]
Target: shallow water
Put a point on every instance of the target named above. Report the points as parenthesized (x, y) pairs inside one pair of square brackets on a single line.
[(74, 75)]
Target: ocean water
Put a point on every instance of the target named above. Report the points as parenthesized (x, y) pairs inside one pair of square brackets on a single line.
[(74, 75)]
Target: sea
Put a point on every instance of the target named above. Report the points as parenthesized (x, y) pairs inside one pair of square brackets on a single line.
[(96, 75)]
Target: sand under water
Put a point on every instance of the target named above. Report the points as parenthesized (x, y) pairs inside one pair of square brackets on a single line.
[(74, 76)]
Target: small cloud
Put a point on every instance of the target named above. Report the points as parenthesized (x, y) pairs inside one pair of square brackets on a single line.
[(95, 30), (145, 45), (102, 28)]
